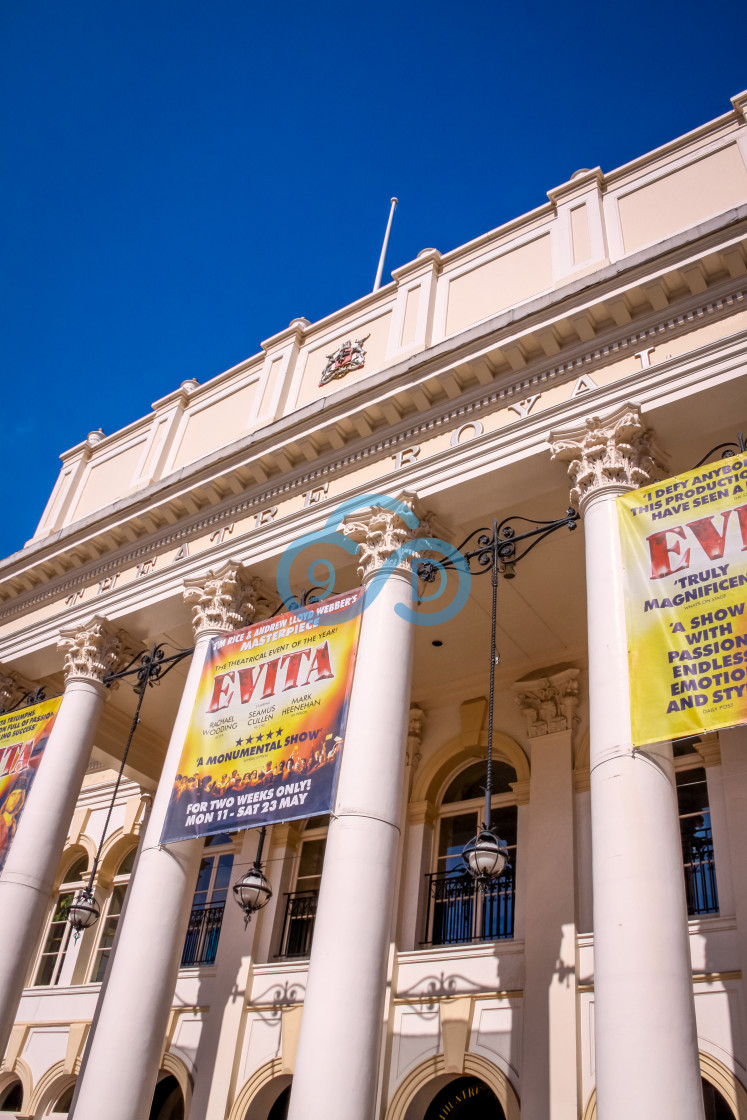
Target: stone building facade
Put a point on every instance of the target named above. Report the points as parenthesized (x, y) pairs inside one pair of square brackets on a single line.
[(582, 350)]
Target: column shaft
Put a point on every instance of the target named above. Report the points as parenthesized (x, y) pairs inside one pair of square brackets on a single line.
[(645, 1037), (30, 869), (338, 1053), (123, 1059)]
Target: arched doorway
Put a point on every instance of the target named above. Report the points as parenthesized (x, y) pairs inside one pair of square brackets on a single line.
[(714, 1105), (168, 1100), (465, 1098), (11, 1096), (279, 1110)]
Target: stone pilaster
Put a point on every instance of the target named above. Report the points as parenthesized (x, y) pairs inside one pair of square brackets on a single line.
[(414, 738)]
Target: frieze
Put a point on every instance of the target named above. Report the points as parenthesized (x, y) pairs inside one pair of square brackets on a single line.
[(152, 555)]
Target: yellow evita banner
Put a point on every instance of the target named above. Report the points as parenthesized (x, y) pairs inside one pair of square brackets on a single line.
[(684, 546), (265, 739), (23, 737)]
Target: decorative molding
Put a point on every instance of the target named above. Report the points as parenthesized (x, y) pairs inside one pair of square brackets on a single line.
[(225, 599), (549, 704), (414, 738), (94, 650), (473, 401), (380, 532), (614, 451)]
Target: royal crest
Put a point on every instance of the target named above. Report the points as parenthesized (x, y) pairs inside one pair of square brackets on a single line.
[(350, 356)]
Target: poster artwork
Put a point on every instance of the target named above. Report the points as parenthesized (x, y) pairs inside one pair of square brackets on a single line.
[(23, 737), (266, 735), (684, 545)]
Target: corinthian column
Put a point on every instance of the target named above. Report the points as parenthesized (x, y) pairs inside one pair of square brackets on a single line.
[(28, 876), (644, 1020), (121, 1065), (338, 1051)]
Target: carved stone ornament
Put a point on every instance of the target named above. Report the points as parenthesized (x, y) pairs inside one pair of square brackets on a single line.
[(93, 650), (225, 599), (379, 532), (549, 704), (609, 451), (12, 689), (350, 356), (414, 738)]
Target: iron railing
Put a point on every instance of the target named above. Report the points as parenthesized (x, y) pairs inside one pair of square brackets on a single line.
[(298, 925), (459, 912), (203, 933), (700, 873)]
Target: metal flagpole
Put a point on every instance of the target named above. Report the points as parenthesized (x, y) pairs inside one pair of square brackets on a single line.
[(382, 258)]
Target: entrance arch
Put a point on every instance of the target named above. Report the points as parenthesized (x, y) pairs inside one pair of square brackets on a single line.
[(417, 1091), (465, 1098)]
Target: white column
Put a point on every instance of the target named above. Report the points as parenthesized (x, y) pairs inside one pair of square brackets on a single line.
[(341, 1030), (28, 876), (122, 1061), (645, 1039)]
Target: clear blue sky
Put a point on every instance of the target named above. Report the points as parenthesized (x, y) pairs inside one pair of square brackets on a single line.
[(182, 179)]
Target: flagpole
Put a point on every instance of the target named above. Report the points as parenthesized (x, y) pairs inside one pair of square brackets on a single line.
[(380, 270)]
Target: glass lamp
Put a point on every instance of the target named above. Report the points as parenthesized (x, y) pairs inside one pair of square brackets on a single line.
[(84, 911), (252, 891), (485, 857)]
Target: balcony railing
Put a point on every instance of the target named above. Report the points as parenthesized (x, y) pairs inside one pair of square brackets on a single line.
[(458, 912), (203, 933), (298, 926), (700, 873)]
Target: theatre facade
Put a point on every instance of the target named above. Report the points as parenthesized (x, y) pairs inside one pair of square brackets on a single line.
[(582, 351)]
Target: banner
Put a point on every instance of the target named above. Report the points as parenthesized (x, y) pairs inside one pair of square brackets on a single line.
[(684, 547), (23, 737), (266, 734)]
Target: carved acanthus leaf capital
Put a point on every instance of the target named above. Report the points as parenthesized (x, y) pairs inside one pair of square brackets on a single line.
[(549, 704), (379, 532), (13, 688), (94, 650), (226, 598), (616, 451)]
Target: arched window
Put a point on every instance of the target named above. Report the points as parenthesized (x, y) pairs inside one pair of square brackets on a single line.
[(465, 1098), (62, 1105), (57, 940), (714, 1105), (456, 911), (206, 919), (11, 1097), (111, 916), (301, 901)]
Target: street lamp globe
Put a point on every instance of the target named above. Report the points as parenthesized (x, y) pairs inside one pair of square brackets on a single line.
[(84, 911), (485, 857), (252, 892)]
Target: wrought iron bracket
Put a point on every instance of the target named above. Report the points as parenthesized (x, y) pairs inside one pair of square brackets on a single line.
[(728, 450)]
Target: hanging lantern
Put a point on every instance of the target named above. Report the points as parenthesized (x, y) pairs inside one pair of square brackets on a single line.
[(84, 911), (252, 891), (485, 856)]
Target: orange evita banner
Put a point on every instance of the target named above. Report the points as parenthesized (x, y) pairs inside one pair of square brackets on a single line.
[(266, 735)]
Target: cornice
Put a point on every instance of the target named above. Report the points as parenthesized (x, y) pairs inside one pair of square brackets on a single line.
[(462, 350)]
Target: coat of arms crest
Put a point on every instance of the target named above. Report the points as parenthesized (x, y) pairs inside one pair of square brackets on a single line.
[(350, 356)]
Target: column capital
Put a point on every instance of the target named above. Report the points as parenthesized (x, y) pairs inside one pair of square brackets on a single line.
[(548, 703), (611, 453), (379, 531), (13, 688), (225, 598), (93, 650)]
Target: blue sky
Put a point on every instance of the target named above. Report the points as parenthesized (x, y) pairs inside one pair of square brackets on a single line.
[(182, 179)]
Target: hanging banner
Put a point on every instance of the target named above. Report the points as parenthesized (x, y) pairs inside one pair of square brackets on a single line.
[(23, 737), (684, 547), (266, 734)]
